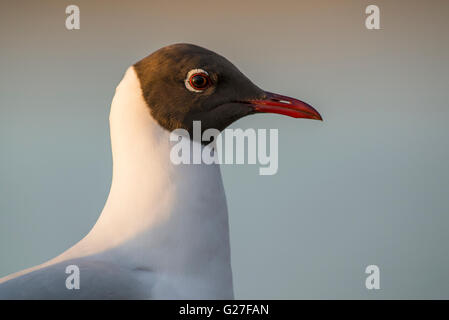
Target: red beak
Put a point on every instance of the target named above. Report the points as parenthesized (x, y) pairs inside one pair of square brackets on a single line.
[(276, 103)]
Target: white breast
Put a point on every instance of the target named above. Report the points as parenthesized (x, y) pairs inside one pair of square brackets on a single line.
[(163, 225)]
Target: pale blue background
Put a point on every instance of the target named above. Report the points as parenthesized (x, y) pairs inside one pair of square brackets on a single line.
[(369, 185)]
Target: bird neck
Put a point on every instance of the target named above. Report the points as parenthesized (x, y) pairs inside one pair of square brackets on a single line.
[(161, 216)]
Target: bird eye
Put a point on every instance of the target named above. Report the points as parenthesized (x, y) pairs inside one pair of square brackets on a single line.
[(197, 80)]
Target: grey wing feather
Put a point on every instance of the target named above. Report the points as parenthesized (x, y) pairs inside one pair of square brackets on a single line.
[(98, 280)]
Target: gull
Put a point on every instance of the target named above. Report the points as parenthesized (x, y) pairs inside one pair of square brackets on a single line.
[(164, 231)]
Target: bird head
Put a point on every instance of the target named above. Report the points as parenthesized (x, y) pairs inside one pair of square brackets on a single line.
[(182, 83)]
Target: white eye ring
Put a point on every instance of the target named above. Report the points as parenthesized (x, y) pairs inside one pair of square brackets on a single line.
[(187, 80)]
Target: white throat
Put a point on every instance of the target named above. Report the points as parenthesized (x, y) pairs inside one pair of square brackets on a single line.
[(169, 219)]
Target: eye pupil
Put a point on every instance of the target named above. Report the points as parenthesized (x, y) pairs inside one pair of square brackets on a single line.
[(199, 81)]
